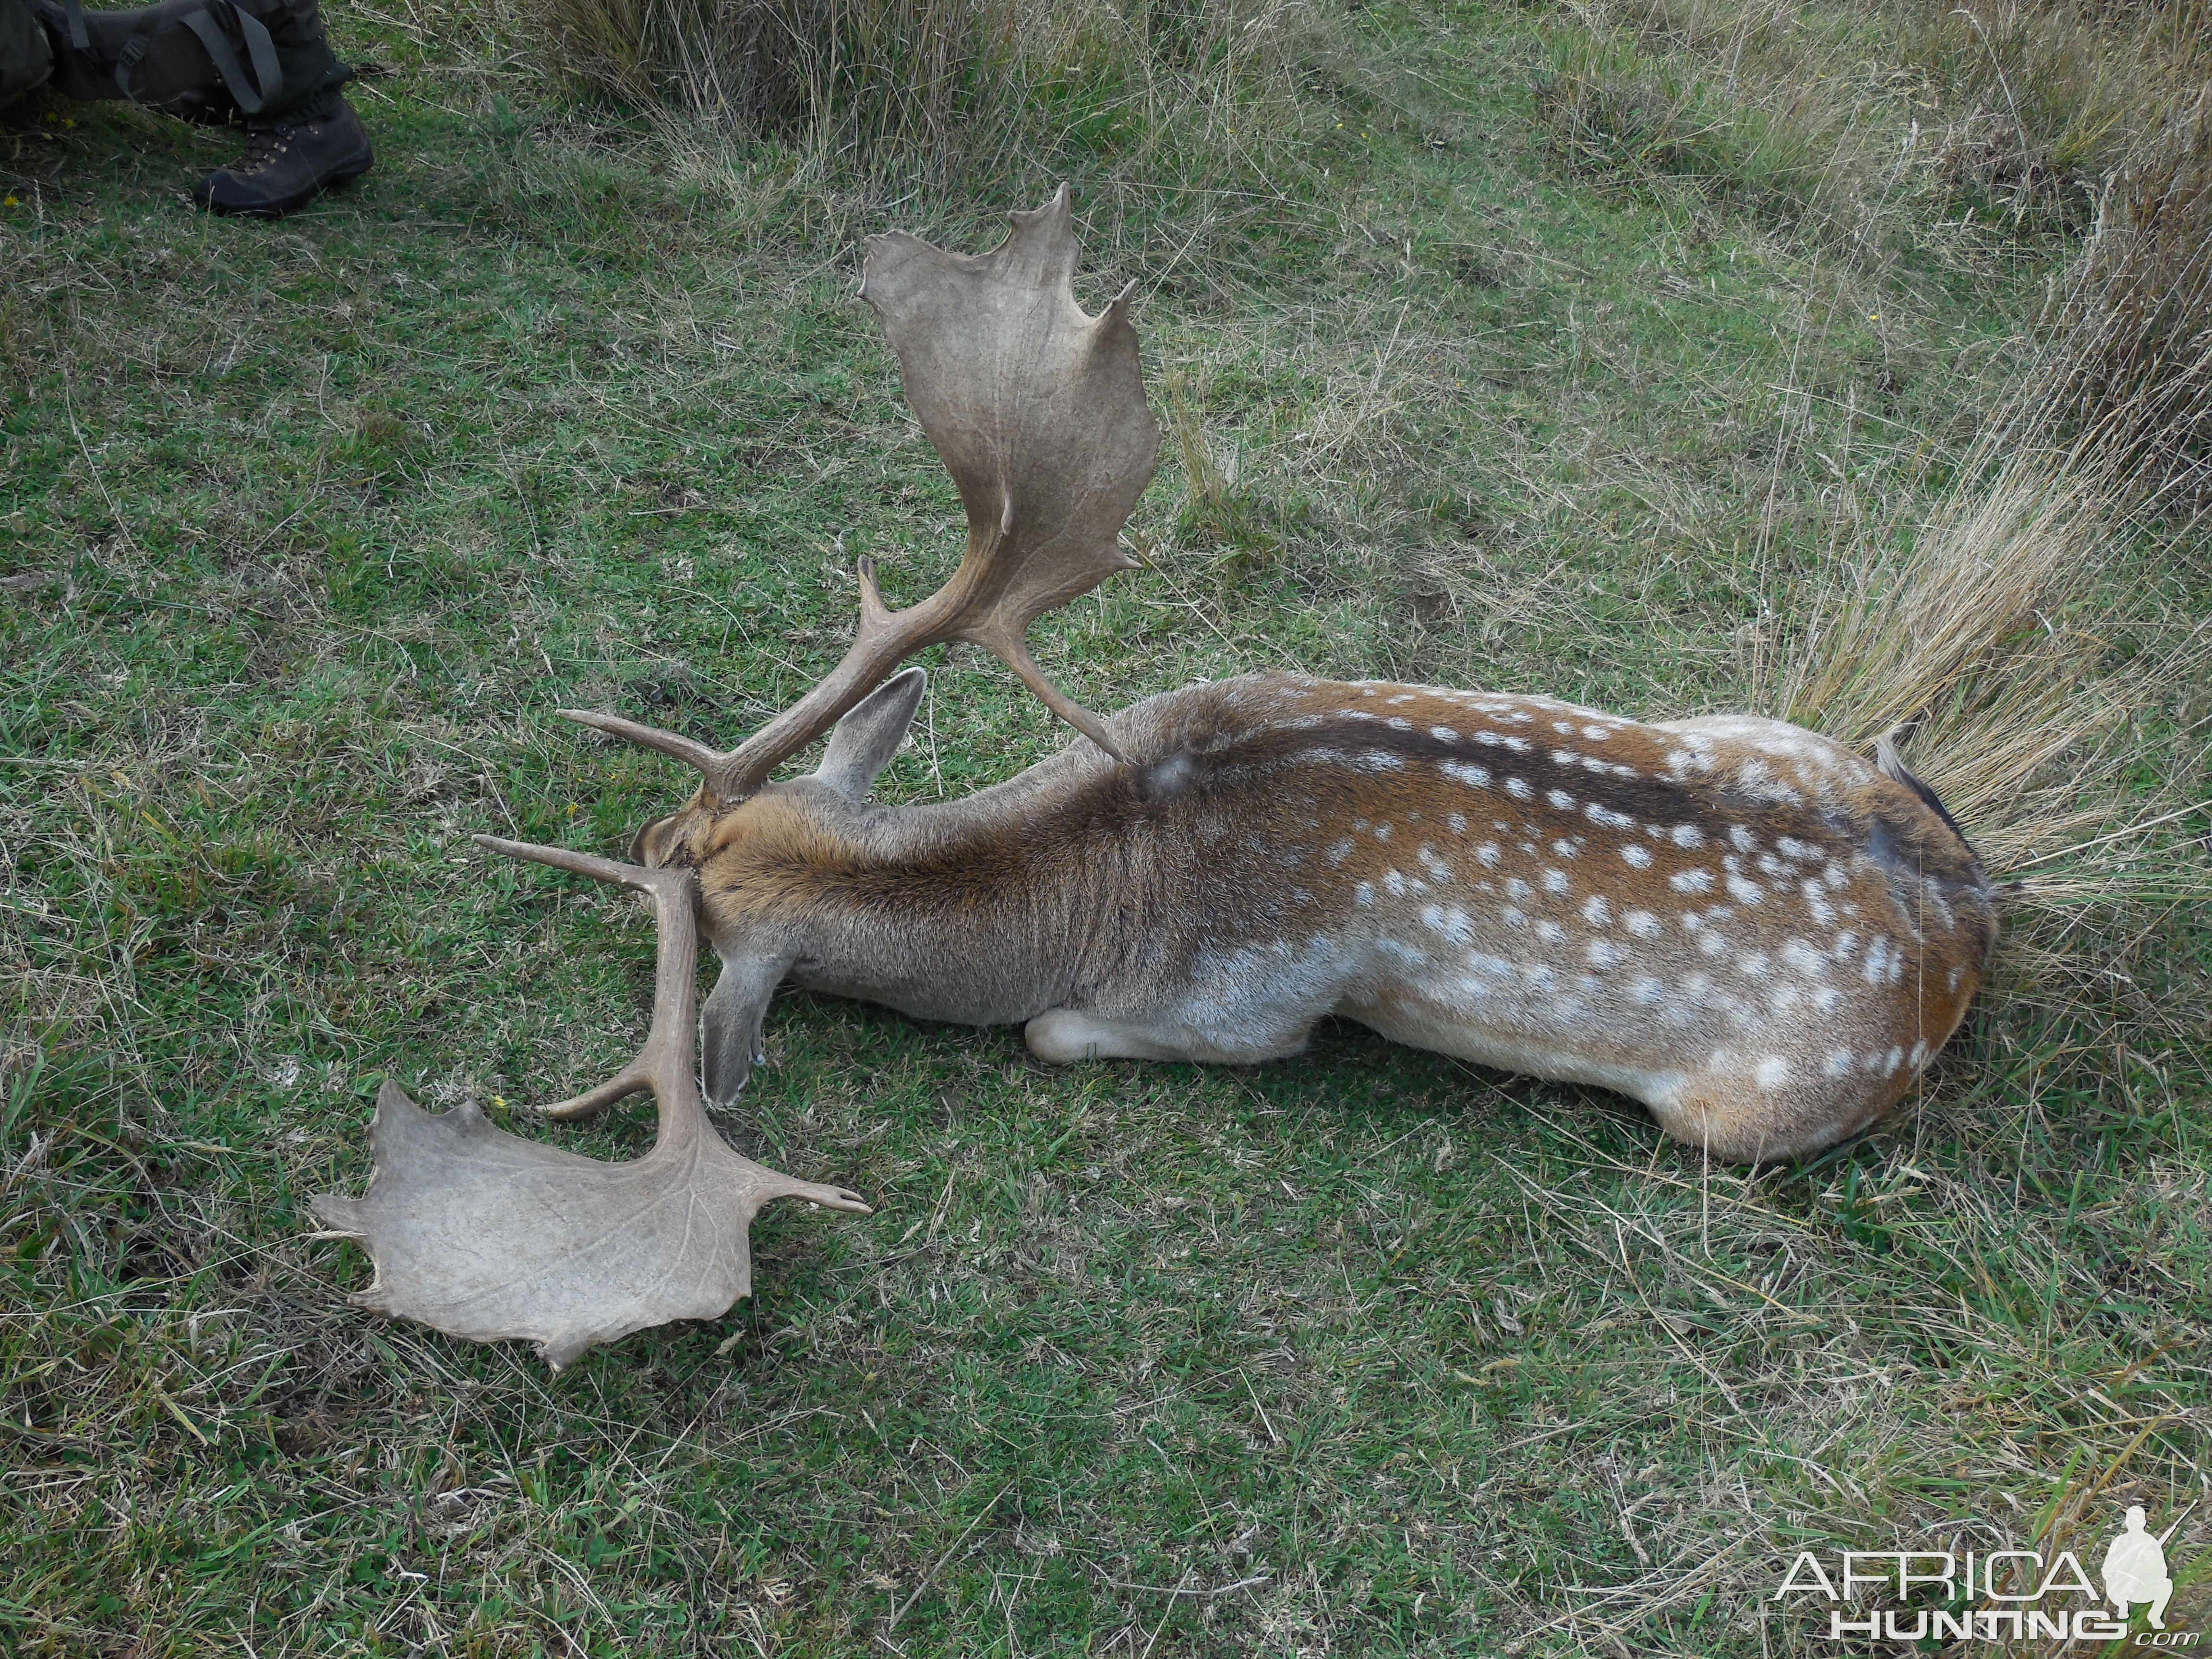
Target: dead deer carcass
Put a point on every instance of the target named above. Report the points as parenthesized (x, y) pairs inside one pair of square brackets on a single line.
[(1758, 933)]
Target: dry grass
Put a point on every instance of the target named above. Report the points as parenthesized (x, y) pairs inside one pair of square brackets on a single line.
[(972, 86), (2034, 686), (1908, 122), (2136, 313)]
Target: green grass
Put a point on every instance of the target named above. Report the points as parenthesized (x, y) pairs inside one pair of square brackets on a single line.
[(1395, 1355)]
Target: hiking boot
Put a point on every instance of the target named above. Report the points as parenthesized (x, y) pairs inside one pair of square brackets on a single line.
[(288, 161)]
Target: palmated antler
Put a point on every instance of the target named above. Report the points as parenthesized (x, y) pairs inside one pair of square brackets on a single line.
[(484, 1235), (1038, 411)]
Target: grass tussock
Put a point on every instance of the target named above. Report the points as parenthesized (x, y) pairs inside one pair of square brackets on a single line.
[(2137, 313), (2050, 696), (958, 86), (1903, 123)]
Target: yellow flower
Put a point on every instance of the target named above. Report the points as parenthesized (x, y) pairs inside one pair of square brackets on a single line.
[(499, 1100), (10, 202)]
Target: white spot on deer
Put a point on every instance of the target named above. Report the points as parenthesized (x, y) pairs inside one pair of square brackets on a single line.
[(1565, 728), (1919, 1057), (1555, 881), (1647, 990), (1745, 892), (1365, 893), (1517, 888), (1891, 1061), (1551, 932), (1403, 696), (1823, 912), (1381, 760), (1896, 966), (1838, 1062), (1753, 963), (1636, 856), (1802, 958), (1605, 819), (1454, 924), (1791, 847), (1951, 980), (1457, 821), (1339, 850), (1519, 789), (1443, 734), (1741, 839), (1567, 849), (1398, 723), (1826, 999), (1596, 733), (1773, 1072), (1394, 883), (1642, 923), (1691, 881), (1513, 917), (1603, 953), (1877, 961), (1596, 911), (1712, 943), (1539, 976), (1476, 777), (1487, 855), (1430, 862), (1686, 836), (1560, 799), (1383, 831)]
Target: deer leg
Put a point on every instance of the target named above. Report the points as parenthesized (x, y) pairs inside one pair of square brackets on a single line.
[(1066, 1035)]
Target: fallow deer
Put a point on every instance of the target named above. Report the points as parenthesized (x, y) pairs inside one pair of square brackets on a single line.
[(1758, 933)]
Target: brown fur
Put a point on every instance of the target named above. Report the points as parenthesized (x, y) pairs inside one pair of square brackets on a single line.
[(1696, 925)]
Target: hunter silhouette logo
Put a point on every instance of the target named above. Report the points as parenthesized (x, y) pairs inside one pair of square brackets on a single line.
[(1997, 1595), (2135, 1569)]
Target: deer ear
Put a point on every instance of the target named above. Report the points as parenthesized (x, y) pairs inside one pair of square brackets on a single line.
[(866, 739), (729, 1024)]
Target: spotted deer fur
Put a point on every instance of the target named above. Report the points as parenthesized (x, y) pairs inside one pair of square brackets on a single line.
[(1737, 921)]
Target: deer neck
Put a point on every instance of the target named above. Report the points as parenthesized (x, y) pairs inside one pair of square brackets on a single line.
[(982, 910)]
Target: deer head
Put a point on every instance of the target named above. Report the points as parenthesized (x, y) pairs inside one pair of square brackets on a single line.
[(1038, 411)]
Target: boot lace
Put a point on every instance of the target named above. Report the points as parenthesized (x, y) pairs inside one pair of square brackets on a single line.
[(264, 145)]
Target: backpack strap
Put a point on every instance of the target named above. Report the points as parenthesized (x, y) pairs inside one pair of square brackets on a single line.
[(254, 91)]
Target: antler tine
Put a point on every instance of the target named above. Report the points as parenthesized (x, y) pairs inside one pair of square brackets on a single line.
[(1037, 411), (673, 745), (663, 1063)]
